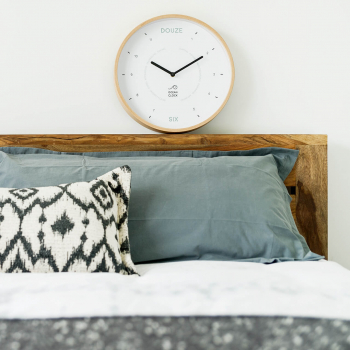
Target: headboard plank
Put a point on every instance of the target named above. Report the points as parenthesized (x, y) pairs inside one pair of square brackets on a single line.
[(159, 142), (311, 196), (308, 178)]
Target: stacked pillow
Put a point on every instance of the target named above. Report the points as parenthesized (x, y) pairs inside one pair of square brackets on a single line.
[(185, 204)]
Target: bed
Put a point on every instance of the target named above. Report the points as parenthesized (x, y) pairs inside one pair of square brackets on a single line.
[(190, 304)]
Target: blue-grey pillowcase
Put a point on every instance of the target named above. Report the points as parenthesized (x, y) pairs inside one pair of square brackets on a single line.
[(186, 204), (285, 158)]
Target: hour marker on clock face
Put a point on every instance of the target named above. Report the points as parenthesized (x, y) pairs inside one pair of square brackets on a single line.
[(172, 73)]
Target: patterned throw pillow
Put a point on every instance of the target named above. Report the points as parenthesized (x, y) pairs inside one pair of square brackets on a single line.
[(77, 227)]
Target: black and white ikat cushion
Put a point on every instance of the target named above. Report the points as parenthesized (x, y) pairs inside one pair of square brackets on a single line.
[(77, 227)]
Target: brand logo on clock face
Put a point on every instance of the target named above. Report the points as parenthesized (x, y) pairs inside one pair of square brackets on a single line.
[(173, 91), (171, 30)]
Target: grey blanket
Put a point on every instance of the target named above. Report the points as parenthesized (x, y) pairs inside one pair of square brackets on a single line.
[(176, 333)]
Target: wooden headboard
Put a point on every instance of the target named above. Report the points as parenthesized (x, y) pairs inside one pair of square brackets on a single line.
[(307, 183)]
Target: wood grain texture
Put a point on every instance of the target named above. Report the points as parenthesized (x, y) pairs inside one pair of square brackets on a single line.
[(293, 206), (119, 142), (311, 197), (309, 175)]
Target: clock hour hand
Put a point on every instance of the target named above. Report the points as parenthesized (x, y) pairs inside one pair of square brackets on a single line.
[(162, 68), (187, 65)]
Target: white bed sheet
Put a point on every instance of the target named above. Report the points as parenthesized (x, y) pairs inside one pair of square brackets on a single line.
[(210, 288)]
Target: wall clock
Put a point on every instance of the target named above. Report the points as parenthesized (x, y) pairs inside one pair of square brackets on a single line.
[(173, 73)]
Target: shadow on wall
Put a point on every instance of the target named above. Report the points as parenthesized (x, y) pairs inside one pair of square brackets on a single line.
[(240, 99)]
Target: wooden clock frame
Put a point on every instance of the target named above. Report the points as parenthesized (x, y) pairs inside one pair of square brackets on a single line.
[(146, 123)]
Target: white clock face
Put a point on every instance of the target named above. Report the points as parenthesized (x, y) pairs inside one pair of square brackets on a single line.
[(174, 73)]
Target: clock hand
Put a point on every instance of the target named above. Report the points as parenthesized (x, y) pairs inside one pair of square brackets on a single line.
[(162, 68), (187, 65)]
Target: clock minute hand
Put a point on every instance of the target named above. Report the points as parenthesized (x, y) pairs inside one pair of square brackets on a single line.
[(162, 68), (187, 65)]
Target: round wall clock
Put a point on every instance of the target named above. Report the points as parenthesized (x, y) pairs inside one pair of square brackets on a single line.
[(173, 73)]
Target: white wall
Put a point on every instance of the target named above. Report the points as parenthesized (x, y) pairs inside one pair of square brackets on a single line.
[(292, 73)]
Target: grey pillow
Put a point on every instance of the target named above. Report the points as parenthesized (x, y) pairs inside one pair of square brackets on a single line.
[(285, 158), (186, 204)]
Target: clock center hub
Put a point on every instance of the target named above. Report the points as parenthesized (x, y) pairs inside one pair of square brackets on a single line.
[(162, 84)]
